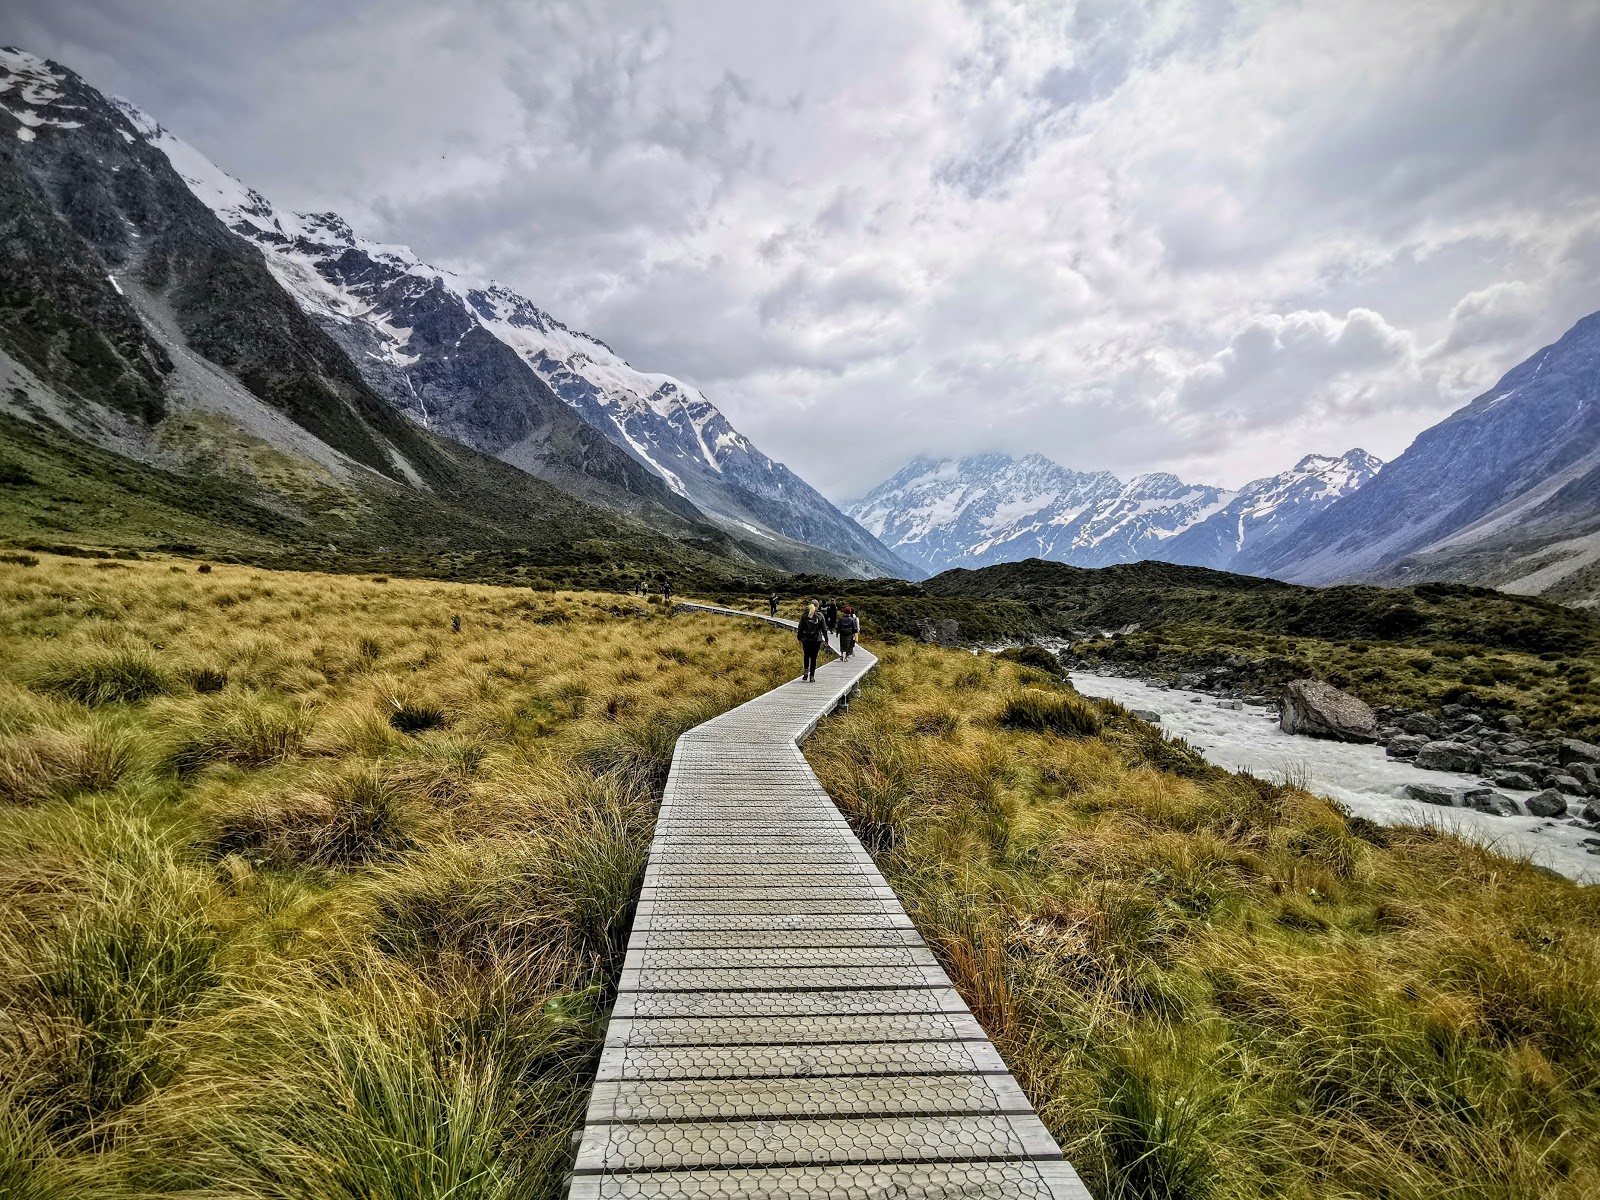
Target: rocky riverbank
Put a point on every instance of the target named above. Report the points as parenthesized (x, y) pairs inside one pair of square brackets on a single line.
[(1557, 777)]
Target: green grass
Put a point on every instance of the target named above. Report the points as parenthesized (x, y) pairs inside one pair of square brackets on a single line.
[(1218, 987)]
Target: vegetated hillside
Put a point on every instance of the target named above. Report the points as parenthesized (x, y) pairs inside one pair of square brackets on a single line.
[(491, 524), (1214, 986), (295, 861), (1418, 647), (1068, 600)]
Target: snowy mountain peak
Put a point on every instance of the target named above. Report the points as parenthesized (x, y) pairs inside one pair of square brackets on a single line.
[(990, 508), (33, 93)]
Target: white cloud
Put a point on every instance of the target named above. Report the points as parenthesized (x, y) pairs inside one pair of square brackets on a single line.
[(1121, 234)]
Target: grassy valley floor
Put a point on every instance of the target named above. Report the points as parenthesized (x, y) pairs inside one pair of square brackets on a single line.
[(317, 886), (1219, 988)]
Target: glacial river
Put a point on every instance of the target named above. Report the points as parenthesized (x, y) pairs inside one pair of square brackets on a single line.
[(1361, 778)]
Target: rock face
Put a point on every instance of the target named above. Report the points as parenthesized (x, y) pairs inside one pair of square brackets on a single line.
[(1322, 710)]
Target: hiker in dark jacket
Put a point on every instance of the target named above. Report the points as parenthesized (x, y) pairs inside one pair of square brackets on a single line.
[(772, 604), (812, 633), (830, 614), (849, 626)]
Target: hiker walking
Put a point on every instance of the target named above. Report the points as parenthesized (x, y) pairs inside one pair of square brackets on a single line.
[(812, 632), (666, 589), (772, 604), (849, 627), (830, 614)]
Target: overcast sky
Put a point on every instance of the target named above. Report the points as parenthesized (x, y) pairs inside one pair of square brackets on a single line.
[(1204, 236)]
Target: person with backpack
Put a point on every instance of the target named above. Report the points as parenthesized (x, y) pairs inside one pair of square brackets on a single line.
[(830, 615), (811, 633), (772, 604), (849, 627)]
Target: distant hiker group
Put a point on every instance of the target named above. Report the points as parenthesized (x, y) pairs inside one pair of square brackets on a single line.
[(817, 623), (663, 585)]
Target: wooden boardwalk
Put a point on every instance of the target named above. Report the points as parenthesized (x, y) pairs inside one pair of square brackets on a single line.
[(780, 1029)]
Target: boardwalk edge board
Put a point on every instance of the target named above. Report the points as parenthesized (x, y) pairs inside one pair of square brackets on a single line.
[(781, 1032)]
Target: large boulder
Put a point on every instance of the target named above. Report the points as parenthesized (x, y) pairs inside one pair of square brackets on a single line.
[(1514, 779), (1548, 803), (1405, 745), (1433, 793), (1448, 756), (1489, 801), (1571, 750), (1322, 710)]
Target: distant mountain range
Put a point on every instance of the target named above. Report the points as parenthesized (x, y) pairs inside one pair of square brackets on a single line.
[(990, 508), (136, 245)]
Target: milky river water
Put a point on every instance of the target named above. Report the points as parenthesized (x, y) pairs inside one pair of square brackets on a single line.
[(1359, 777)]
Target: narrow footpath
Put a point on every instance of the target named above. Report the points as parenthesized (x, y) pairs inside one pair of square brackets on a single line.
[(780, 1030)]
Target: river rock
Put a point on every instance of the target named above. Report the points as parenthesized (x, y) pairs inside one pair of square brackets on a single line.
[(1322, 710), (1591, 812), (1548, 803), (1424, 723), (1571, 750), (1233, 704), (1492, 802), (1514, 780), (1405, 746), (1433, 793), (1447, 756), (1568, 784), (1587, 774), (1145, 714)]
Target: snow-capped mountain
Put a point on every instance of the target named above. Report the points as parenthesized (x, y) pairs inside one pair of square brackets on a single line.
[(970, 512), (991, 508), (1267, 512), (480, 364)]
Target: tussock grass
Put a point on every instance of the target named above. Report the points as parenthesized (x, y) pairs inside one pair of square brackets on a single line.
[(47, 763), (336, 908), (1215, 986), (250, 729), (103, 675), (1062, 713)]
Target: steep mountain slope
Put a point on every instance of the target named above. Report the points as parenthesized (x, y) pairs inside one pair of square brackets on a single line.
[(1506, 490), (483, 365), (991, 508), (1267, 512), (132, 319)]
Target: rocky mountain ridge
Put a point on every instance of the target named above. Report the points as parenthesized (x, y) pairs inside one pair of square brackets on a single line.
[(1505, 491), (482, 364)]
